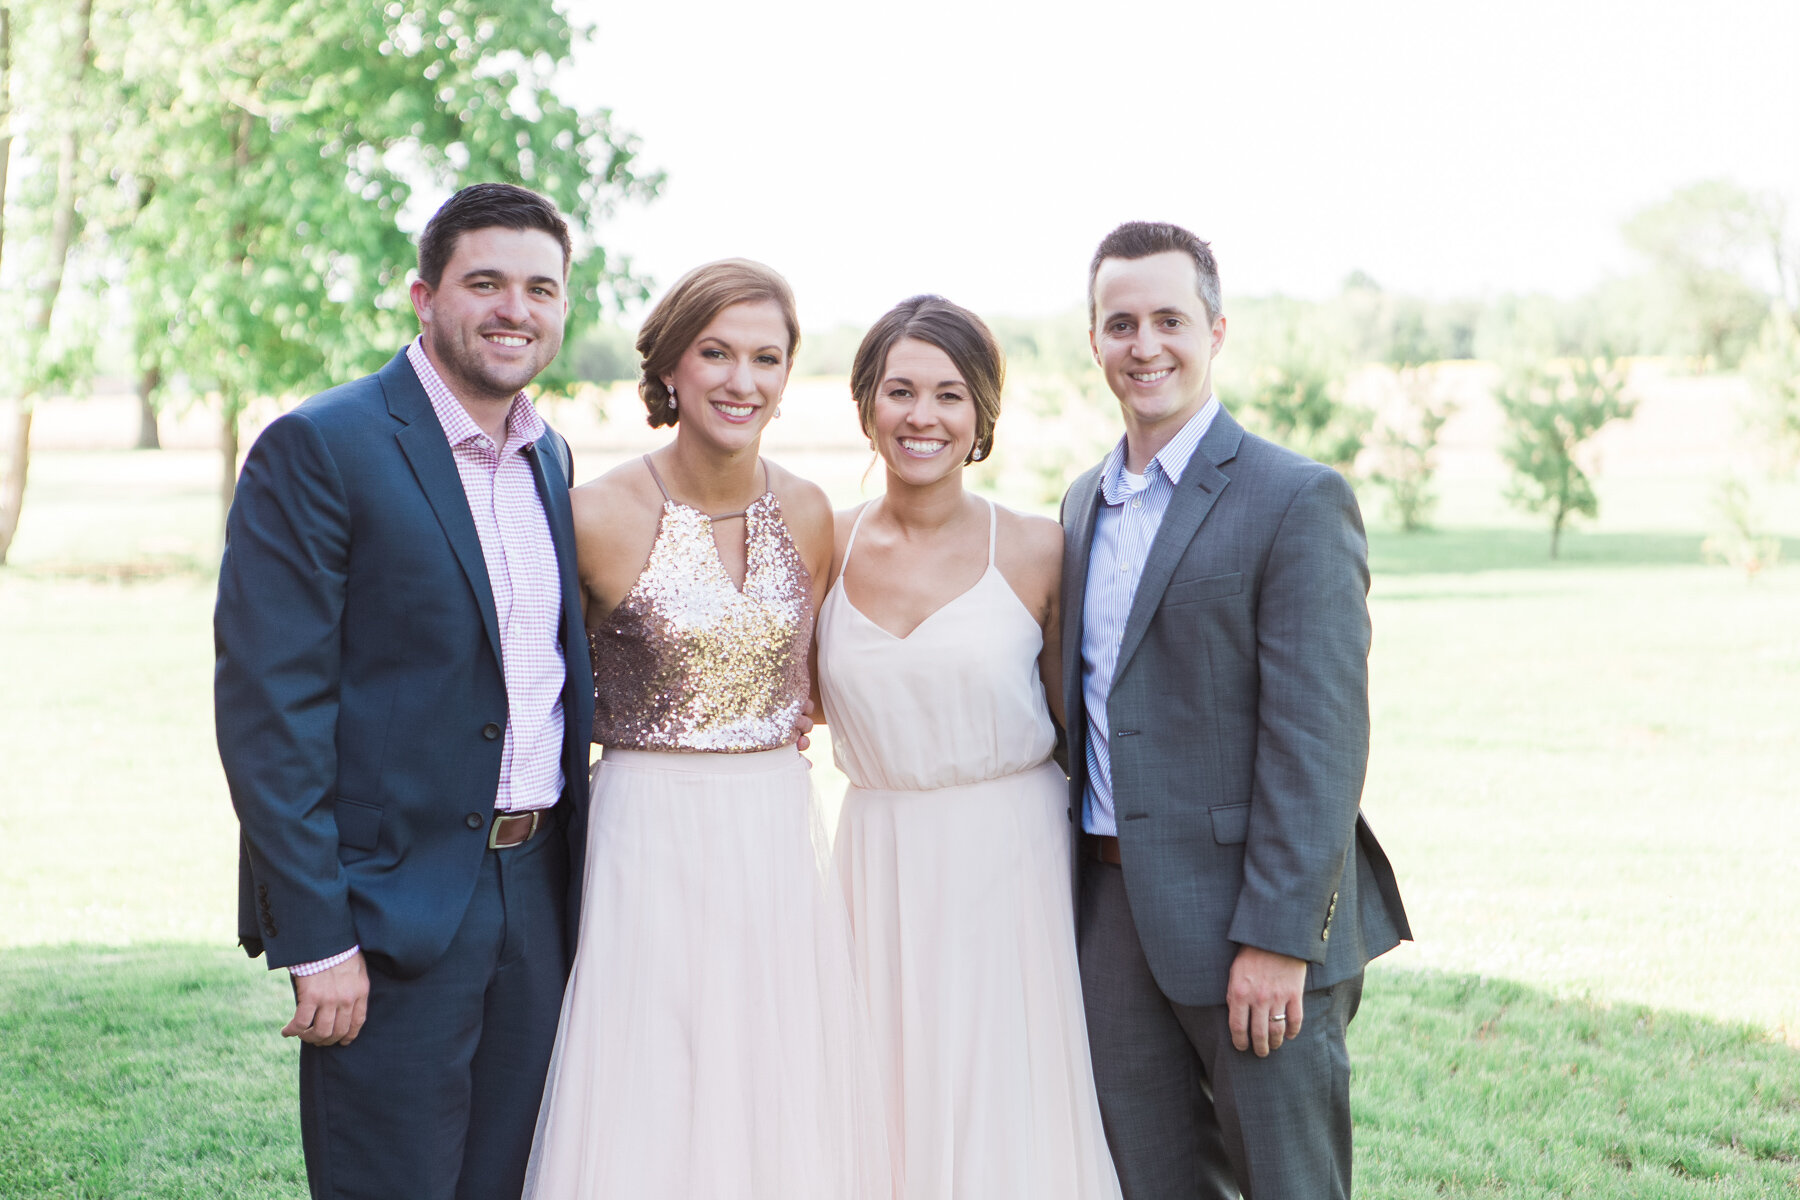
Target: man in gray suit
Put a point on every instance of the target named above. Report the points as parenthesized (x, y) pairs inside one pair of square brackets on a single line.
[(1216, 639)]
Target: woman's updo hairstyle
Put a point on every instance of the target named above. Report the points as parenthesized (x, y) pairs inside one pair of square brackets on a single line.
[(956, 331), (688, 308)]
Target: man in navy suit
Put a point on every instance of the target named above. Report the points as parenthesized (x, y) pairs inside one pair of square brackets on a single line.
[(404, 704)]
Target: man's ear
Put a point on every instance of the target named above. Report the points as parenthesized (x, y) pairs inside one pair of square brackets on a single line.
[(422, 296), (1093, 344), (1218, 334)]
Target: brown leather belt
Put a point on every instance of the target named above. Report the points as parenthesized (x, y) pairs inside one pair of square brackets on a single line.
[(514, 829), (1103, 847)]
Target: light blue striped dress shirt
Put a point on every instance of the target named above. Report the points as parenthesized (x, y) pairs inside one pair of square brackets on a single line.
[(1130, 512)]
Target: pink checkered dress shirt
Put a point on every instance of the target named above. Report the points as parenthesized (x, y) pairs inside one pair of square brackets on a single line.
[(526, 582)]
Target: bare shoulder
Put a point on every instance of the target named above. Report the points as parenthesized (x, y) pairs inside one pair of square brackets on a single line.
[(1028, 552), (1030, 542), (804, 504), (620, 501), (843, 522), (807, 512)]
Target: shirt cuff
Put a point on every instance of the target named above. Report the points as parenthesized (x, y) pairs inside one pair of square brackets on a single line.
[(324, 964)]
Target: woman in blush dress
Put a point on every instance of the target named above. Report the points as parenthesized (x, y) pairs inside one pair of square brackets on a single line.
[(713, 1042), (938, 644)]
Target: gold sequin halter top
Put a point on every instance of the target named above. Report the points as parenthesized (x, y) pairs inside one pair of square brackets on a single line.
[(688, 660)]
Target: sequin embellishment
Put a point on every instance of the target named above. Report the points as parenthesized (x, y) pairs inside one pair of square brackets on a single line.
[(687, 661)]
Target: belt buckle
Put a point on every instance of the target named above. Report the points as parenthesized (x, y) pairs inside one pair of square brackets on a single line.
[(494, 843)]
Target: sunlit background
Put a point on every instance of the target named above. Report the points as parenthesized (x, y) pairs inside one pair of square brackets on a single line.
[(1527, 273), (982, 149)]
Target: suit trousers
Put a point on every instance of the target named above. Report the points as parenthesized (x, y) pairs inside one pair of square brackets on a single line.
[(437, 1098), (1188, 1116)]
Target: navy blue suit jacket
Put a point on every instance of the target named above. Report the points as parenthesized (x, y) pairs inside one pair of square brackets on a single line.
[(358, 689)]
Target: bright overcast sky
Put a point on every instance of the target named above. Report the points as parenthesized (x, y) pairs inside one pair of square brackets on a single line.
[(980, 149)]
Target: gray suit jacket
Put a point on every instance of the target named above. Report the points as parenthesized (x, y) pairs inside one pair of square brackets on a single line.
[(1239, 717)]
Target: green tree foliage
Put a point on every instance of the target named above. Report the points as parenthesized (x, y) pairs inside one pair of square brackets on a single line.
[(1405, 446), (1551, 410), (1710, 247), (1282, 371), (1773, 368), (605, 353), (279, 146), (1740, 542), (247, 166)]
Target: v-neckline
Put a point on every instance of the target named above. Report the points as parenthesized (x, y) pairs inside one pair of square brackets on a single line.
[(927, 619)]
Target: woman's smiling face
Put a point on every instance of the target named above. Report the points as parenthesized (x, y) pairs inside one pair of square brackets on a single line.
[(924, 414), (729, 382)]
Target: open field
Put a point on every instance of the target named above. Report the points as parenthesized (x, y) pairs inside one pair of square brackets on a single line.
[(1587, 774)]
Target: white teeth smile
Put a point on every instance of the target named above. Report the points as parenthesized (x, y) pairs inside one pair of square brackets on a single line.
[(921, 448), (1150, 376), (736, 410), (502, 339)]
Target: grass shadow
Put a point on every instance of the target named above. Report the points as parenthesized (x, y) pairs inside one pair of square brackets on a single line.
[(1468, 551), (152, 1071), (1468, 1086)]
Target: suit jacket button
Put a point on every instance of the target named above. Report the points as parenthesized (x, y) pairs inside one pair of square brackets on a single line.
[(490, 731), (473, 821)]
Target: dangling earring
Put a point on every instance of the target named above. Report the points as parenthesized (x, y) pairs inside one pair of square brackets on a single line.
[(672, 405), (778, 412)]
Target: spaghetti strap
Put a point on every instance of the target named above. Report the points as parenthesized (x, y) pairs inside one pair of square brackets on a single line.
[(668, 499), (660, 486), (860, 514), (993, 525)]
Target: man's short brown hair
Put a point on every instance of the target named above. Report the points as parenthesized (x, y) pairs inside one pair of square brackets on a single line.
[(1141, 239)]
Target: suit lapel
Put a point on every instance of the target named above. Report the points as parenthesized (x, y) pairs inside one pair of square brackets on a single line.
[(1078, 543), (1194, 497), (553, 491), (426, 449)]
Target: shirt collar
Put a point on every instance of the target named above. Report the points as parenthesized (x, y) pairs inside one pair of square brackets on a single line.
[(523, 424), (1171, 460)]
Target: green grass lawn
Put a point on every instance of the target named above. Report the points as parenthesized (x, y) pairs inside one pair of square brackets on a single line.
[(1587, 774), (154, 1071)]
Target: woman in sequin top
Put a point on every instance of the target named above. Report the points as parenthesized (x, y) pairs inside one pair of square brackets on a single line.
[(713, 1040)]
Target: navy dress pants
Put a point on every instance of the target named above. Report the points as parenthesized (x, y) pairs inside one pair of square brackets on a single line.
[(437, 1098)]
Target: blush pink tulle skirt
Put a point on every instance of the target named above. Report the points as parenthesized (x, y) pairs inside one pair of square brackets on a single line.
[(713, 1042)]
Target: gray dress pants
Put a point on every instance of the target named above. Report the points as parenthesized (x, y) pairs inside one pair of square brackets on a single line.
[(1187, 1115)]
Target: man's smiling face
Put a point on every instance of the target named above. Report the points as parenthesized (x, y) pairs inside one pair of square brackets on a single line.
[(495, 319), (1153, 338)]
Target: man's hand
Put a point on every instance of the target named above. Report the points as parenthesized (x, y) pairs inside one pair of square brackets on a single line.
[(803, 725), (1264, 999), (330, 1007)]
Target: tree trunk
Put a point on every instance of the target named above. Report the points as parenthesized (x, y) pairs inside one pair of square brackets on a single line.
[(6, 133), (148, 381), (12, 492), (62, 234), (12, 482), (228, 456), (1556, 533)]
